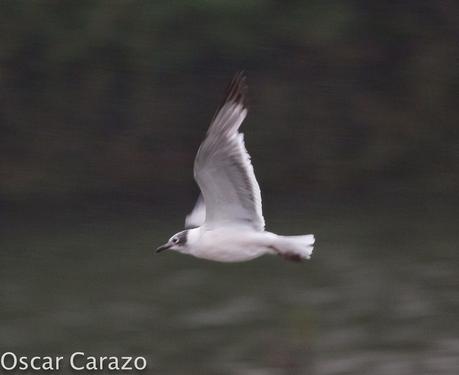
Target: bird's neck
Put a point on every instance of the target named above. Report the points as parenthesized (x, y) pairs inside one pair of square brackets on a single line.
[(193, 236)]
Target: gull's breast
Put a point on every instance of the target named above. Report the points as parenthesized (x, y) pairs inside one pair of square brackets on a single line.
[(232, 245)]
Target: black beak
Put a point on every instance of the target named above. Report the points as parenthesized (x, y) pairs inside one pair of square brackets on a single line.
[(163, 247)]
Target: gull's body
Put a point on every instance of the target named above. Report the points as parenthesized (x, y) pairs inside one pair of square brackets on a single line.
[(227, 223), (229, 244)]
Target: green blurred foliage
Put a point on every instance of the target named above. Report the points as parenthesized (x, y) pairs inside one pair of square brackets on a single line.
[(114, 96)]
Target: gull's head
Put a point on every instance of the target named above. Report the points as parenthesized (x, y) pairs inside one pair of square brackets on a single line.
[(178, 242)]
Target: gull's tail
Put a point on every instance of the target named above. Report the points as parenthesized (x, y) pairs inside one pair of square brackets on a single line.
[(295, 248)]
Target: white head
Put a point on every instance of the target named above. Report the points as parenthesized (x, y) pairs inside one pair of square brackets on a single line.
[(180, 241)]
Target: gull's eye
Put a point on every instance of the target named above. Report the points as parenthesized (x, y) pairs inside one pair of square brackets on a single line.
[(175, 240)]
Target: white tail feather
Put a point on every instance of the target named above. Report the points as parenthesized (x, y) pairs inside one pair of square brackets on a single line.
[(295, 247)]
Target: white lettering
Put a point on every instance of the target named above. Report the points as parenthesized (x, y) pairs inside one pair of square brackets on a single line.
[(101, 362), (127, 361), (73, 358), (23, 365), (48, 363), (12, 358), (143, 366), (77, 361), (32, 363), (91, 363), (113, 364)]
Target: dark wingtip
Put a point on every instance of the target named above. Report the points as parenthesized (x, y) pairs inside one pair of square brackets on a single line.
[(236, 91)]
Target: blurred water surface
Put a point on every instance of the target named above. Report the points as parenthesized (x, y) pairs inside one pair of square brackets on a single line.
[(378, 297)]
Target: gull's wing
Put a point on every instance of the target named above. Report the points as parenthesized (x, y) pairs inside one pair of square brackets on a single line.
[(197, 217), (222, 166)]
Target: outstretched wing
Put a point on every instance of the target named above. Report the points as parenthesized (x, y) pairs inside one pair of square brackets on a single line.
[(197, 217), (222, 166)]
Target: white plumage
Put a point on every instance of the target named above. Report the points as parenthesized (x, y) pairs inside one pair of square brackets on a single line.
[(227, 222)]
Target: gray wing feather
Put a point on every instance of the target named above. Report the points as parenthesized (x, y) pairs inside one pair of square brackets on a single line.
[(197, 217), (223, 169)]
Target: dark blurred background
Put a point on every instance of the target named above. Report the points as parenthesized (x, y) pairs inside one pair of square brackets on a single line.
[(353, 132)]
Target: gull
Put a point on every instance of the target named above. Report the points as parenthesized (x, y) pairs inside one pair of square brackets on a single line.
[(226, 223)]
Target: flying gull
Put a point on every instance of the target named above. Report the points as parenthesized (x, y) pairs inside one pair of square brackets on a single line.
[(227, 223)]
